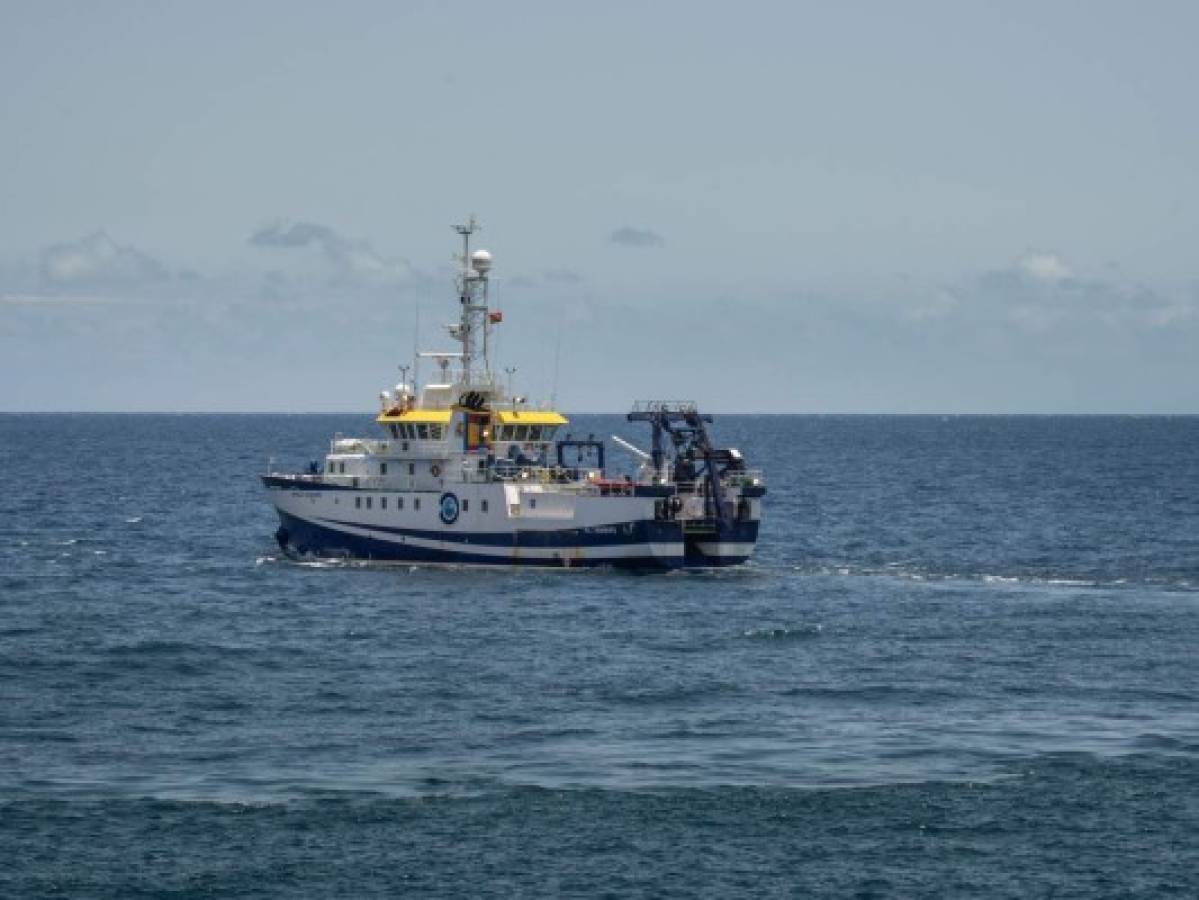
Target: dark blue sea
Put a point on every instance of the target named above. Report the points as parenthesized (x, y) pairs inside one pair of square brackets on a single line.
[(963, 664)]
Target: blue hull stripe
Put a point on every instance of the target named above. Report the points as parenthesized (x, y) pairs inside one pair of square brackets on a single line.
[(302, 536), (638, 532)]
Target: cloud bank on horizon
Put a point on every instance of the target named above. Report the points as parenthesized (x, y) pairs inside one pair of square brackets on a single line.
[(1034, 320)]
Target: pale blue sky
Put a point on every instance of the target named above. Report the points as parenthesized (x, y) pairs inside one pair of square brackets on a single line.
[(859, 207)]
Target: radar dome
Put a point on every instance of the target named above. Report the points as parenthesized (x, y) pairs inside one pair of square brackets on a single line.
[(480, 261)]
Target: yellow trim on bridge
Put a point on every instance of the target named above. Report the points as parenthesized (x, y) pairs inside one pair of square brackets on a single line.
[(503, 417), (530, 417), (418, 416)]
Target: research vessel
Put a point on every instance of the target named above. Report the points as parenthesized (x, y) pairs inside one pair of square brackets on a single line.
[(466, 472)]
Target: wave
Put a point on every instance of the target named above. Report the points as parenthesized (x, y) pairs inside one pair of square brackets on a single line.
[(784, 633), (156, 647), (1152, 763), (1179, 584)]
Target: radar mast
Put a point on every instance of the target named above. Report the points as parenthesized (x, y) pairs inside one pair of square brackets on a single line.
[(474, 326)]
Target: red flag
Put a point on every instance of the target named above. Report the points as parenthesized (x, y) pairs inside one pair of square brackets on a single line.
[(495, 317)]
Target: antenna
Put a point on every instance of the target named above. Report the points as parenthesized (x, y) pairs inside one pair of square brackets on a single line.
[(416, 351), (557, 359), (471, 226)]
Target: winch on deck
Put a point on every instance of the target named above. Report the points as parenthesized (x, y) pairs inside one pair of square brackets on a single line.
[(696, 465)]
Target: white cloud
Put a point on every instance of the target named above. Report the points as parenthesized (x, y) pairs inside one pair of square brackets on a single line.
[(97, 260), (1046, 267), (1039, 294), (628, 236), (354, 261), (936, 305)]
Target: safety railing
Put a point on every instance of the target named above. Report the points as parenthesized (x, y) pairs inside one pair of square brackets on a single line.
[(745, 478), (684, 406), (358, 445)]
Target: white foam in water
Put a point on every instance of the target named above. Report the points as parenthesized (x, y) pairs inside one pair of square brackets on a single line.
[(133, 520)]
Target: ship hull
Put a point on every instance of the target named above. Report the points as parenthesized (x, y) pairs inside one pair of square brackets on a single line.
[(497, 524), (729, 545)]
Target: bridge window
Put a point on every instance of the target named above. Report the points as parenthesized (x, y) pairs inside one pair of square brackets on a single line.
[(465, 505), (382, 468), (483, 505), (382, 503), (422, 431), (358, 503), (411, 468), (399, 502), (368, 502), (416, 503), (436, 432)]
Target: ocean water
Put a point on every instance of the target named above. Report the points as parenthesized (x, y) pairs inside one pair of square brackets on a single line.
[(963, 663)]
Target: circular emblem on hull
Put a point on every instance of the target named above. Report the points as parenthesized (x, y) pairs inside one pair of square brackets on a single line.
[(449, 508)]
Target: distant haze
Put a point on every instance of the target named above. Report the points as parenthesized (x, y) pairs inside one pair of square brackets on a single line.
[(866, 207)]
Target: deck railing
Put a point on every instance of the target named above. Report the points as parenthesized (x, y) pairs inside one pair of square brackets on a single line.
[(684, 406)]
